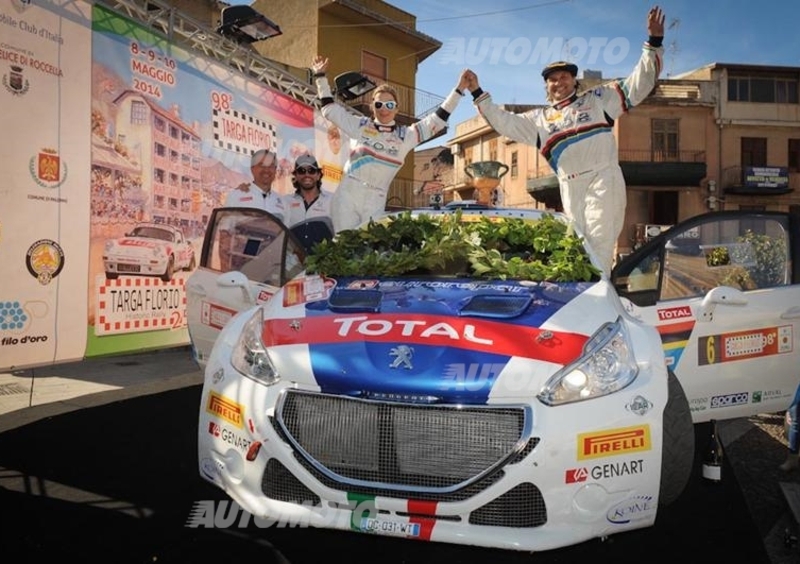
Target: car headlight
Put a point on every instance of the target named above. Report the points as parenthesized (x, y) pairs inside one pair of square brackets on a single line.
[(249, 355), (606, 366), (109, 246)]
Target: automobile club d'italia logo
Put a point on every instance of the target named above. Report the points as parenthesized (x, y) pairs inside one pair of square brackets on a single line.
[(15, 82), (44, 260), (47, 169)]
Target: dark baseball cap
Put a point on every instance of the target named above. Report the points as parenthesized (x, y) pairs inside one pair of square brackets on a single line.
[(306, 160), (571, 68)]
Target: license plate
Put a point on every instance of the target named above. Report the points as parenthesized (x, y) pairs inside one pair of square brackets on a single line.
[(128, 268), (387, 527)]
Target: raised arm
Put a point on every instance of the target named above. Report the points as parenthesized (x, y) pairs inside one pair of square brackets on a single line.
[(519, 127)]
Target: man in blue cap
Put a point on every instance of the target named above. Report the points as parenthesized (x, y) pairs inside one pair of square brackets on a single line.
[(575, 134)]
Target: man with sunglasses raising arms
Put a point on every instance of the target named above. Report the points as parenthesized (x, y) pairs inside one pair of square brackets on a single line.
[(378, 147)]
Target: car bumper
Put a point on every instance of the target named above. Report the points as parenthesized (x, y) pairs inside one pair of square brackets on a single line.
[(590, 469)]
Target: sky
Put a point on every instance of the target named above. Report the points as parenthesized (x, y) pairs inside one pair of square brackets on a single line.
[(508, 42)]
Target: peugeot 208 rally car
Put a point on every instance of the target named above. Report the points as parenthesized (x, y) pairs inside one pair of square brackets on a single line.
[(470, 377)]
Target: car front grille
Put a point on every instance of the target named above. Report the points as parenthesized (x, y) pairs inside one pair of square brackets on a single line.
[(363, 445)]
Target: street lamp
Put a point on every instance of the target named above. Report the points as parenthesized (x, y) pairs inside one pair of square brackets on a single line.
[(351, 85), (244, 25)]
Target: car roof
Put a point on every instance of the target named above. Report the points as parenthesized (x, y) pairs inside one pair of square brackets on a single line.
[(157, 226)]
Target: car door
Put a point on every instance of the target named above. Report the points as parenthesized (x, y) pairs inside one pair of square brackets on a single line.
[(247, 255), (723, 290)]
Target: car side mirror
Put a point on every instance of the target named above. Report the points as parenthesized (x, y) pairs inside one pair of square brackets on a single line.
[(721, 295), (235, 279)]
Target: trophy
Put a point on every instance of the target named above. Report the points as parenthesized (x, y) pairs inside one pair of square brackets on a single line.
[(486, 176)]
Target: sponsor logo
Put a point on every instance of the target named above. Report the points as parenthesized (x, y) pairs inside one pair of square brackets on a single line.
[(263, 296), (730, 400), (45, 260), (231, 437), (575, 475), (614, 442), (211, 469), (605, 471), (633, 509), (227, 409), (639, 405), (372, 327), (674, 313), (767, 395)]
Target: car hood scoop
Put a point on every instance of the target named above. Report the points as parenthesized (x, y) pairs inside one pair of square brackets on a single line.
[(496, 305)]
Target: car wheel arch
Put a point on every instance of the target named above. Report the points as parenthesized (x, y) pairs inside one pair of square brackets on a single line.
[(678, 448)]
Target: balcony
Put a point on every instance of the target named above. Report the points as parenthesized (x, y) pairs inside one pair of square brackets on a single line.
[(744, 181), (413, 104), (543, 188), (662, 168)]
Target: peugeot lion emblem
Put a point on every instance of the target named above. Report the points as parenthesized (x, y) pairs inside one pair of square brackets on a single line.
[(402, 355)]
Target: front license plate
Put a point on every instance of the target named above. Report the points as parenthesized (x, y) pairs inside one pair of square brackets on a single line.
[(128, 268), (386, 527)]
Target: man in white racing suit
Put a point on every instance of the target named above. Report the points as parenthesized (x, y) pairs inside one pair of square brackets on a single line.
[(575, 135), (378, 147)]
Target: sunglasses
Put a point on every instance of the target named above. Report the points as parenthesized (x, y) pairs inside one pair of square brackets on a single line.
[(390, 105), (306, 170)]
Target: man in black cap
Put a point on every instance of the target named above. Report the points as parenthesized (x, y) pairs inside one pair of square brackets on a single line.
[(575, 135)]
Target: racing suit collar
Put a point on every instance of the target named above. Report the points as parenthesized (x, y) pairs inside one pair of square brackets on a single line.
[(566, 101), (391, 126)]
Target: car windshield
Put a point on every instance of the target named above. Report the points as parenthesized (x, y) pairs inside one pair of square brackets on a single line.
[(152, 233)]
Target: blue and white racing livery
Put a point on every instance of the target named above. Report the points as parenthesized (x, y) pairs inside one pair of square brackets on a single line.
[(517, 414)]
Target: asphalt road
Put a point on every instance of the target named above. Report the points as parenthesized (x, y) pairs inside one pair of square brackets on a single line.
[(116, 484)]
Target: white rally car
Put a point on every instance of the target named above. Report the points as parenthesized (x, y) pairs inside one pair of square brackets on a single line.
[(150, 249), (494, 402)]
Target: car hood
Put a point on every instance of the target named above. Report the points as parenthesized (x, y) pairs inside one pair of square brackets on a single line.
[(139, 243), (430, 340)]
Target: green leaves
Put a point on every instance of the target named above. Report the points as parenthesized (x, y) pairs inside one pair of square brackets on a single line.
[(452, 245)]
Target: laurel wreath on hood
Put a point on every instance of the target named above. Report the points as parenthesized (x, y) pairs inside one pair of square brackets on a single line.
[(448, 244)]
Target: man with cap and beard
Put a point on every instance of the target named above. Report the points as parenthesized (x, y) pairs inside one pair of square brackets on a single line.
[(309, 199), (259, 193), (308, 210), (575, 134)]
